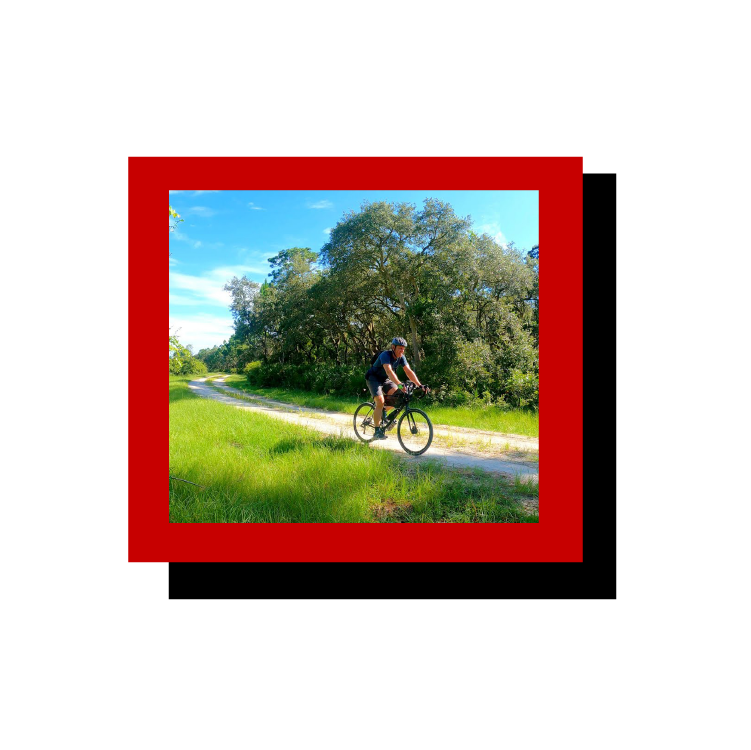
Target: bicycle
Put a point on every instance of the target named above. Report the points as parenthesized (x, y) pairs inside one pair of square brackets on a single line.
[(414, 428)]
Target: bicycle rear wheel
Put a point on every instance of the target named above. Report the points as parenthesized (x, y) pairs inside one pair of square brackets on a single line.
[(415, 432), (363, 421)]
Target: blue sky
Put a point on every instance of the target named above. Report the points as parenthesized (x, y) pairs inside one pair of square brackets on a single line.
[(233, 233)]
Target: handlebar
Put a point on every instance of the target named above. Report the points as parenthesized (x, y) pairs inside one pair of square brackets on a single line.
[(410, 387)]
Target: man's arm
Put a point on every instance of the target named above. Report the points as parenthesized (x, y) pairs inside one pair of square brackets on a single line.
[(391, 374), (412, 375)]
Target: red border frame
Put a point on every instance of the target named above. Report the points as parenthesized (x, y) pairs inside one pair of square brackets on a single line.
[(558, 536)]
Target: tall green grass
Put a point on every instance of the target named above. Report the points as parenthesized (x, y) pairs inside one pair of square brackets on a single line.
[(510, 421), (256, 469)]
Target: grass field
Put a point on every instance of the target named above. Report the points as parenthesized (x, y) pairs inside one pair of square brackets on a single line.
[(512, 421), (255, 469)]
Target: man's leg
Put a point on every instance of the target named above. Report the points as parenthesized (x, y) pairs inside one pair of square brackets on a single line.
[(378, 410), (376, 391), (388, 391)]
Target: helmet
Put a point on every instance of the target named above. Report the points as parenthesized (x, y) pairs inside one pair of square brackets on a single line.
[(399, 341)]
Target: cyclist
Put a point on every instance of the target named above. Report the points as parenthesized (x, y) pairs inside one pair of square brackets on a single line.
[(382, 381)]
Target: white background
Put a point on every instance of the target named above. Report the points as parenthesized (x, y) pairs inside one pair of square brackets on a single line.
[(95, 655)]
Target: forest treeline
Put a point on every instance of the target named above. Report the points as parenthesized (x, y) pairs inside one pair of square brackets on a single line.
[(182, 361), (467, 305)]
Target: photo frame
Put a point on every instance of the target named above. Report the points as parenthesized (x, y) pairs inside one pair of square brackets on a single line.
[(292, 555)]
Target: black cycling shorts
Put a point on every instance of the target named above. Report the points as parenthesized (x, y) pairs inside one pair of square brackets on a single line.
[(377, 388)]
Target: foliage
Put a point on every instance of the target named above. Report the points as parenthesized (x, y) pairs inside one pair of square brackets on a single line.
[(325, 377), (523, 387), (174, 218), (182, 361), (467, 306)]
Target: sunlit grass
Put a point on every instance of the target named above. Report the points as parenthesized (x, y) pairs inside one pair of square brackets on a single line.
[(254, 469)]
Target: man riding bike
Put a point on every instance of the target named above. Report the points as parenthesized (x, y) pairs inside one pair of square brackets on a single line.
[(382, 381)]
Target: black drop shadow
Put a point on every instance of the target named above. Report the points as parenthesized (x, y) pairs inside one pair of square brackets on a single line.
[(594, 578)]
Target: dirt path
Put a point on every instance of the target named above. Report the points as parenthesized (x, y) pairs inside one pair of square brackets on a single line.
[(512, 455)]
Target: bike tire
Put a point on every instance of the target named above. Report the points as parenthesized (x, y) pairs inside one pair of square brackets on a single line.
[(429, 425), (362, 412)]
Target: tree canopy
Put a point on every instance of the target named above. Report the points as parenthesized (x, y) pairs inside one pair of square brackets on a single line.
[(467, 305)]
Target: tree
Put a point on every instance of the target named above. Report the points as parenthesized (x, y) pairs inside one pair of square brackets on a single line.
[(243, 293), (390, 246), (181, 359), (467, 304)]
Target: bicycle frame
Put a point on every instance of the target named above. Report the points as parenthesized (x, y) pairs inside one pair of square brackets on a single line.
[(404, 406)]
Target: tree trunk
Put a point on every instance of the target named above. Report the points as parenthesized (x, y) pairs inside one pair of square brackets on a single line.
[(415, 343), (415, 354)]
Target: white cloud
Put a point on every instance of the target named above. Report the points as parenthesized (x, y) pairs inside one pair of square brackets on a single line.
[(327, 230), (207, 289), (253, 207), (494, 230), (173, 261), (321, 204), (249, 255), (173, 192), (228, 272), (201, 211), (179, 299), (180, 237), (202, 330)]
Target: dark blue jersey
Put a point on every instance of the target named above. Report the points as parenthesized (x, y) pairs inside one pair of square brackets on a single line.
[(377, 369)]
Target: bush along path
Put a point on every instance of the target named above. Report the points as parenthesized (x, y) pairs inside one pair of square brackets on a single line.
[(510, 455)]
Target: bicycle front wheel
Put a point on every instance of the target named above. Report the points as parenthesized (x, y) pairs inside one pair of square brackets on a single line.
[(415, 432), (364, 424)]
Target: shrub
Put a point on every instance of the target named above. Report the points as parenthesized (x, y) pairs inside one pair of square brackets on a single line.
[(252, 372), (524, 388), (476, 364), (186, 365), (320, 377)]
